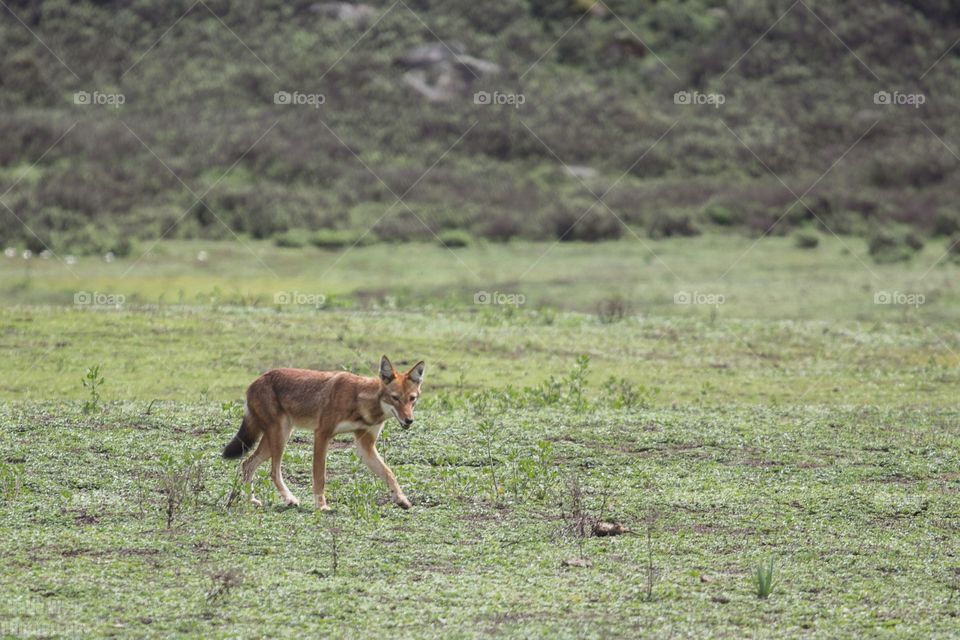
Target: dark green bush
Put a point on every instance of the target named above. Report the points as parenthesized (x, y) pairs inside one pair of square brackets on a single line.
[(806, 240), (887, 245), (292, 239), (339, 238), (946, 222), (454, 238), (665, 225), (721, 215)]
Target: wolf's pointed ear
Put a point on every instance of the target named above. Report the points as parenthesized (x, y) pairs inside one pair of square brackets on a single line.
[(416, 373), (387, 374)]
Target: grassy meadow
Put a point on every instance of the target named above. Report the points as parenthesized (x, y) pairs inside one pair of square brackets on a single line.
[(793, 421)]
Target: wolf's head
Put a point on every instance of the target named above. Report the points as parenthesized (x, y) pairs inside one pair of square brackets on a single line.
[(399, 391)]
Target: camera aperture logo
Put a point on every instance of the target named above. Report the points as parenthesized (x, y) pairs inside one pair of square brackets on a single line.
[(899, 298), (715, 100), (500, 99), (499, 298), (115, 100), (299, 99), (698, 297), (98, 300), (898, 99), (300, 298)]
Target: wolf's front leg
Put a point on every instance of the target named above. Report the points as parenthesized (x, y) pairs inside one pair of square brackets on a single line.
[(367, 444)]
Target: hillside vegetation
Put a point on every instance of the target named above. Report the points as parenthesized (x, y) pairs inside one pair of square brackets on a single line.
[(181, 134)]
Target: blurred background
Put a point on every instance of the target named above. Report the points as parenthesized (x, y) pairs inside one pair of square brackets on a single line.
[(343, 125)]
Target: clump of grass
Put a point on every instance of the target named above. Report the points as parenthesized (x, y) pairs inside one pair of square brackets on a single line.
[(222, 583), (11, 481), (577, 522), (613, 309), (650, 570), (181, 480), (488, 431), (763, 579)]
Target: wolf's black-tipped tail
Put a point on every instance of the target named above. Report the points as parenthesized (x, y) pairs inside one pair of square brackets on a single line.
[(246, 437)]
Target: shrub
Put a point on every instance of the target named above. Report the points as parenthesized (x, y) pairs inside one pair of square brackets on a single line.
[(455, 238), (664, 225), (613, 309), (946, 223), (292, 239), (401, 226), (501, 228), (953, 248), (888, 246), (570, 224), (721, 215), (806, 240), (339, 238)]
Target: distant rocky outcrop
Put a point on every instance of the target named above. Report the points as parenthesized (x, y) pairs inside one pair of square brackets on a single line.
[(356, 15)]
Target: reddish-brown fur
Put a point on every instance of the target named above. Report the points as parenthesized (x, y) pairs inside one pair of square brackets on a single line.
[(328, 403)]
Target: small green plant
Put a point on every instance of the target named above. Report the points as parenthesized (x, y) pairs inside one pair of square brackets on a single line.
[(546, 470), (763, 577), (181, 481), (651, 570), (569, 390), (620, 393), (534, 474), (92, 381), (487, 429)]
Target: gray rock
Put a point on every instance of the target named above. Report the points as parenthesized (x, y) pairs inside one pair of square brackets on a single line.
[(442, 71)]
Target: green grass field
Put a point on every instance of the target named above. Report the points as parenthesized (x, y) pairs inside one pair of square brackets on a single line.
[(797, 421)]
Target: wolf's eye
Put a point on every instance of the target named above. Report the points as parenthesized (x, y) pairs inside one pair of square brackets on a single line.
[(413, 399), (395, 397)]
